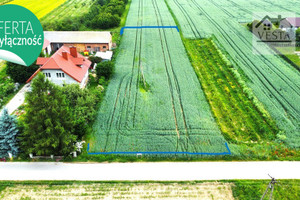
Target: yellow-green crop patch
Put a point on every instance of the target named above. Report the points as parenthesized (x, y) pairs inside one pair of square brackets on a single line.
[(39, 7)]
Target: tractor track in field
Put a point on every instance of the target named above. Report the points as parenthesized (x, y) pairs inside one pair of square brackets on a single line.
[(175, 77), (258, 73), (110, 121), (133, 63), (140, 20), (188, 19), (139, 66), (168, 75), (271, 66)]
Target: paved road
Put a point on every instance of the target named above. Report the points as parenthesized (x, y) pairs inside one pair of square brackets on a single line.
[(149, 171)]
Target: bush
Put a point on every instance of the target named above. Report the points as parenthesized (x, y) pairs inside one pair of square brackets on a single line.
[(81, 103), (95, 59), (105, 21), (105, 69), (20, 73)]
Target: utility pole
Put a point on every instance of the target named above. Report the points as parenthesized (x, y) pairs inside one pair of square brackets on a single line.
[(271, 187)]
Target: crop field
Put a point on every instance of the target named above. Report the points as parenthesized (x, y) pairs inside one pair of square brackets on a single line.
[(273, 81), (39, 7), (238, 117), (118, 190), (154, 101), (71, 8), (4, 1)]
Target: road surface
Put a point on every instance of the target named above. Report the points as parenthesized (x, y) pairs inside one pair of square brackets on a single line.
[(162, 171)]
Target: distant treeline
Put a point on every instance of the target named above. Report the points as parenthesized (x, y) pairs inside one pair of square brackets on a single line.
[(103, 14)]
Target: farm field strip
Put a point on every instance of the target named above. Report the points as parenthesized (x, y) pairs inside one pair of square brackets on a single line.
[(39, 7), (154, 102), (239, 119), (275, 83), (4, 1), (70, 8)]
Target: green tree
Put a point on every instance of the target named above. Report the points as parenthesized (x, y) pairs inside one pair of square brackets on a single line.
[(8, 134), (47, 120), (20, 73), (95, 59), (82, 106), (105, 69)]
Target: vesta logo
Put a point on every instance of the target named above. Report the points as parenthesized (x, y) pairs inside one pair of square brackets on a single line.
[(21, 35)]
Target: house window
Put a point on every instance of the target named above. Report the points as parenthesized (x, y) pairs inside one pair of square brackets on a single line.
[(60, 75), (97, 48), (104, 47), (88, 47), (48, 75)]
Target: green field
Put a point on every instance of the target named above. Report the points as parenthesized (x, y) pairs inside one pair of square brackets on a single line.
[(39, 7), (4, 1), (154, 101), (71, 8), (274, 82), (239, 117)]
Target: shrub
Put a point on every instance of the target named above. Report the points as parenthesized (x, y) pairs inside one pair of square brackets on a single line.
[(105, 69), (20, 73)]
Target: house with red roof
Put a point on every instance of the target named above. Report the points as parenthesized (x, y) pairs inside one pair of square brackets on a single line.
[(65, 66)]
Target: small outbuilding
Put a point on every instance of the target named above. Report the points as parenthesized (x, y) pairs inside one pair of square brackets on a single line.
[(106, 56)]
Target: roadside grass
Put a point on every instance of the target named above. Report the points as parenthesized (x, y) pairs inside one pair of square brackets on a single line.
[(254, 189)]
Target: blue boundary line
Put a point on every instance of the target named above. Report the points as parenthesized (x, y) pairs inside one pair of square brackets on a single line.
[(171, 152), (140, 27)]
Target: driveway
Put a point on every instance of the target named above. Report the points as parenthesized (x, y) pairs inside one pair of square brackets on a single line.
[(162, 171), (17, 100)]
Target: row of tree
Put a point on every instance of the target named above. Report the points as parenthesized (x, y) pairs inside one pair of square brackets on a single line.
[(103, 14)]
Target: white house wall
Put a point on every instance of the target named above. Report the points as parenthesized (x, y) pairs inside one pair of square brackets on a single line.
[(85, 79), (59, 81)]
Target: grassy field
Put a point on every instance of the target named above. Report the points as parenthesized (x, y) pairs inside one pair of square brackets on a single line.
[(70, 8), (154, 102), (39, 7), (275, 83), (212, 190), (248, 190), (4, 1), (285, 51), (239, 118)]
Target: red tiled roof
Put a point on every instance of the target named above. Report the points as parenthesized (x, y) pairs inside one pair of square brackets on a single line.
[(41, 61), (77, 61), (67, 66)]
